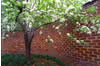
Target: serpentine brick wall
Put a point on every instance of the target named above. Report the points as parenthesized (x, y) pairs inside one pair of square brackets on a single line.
[(62, 47), (98, 6)]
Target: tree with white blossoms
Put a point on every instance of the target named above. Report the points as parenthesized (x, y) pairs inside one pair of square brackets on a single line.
[(32, 14)]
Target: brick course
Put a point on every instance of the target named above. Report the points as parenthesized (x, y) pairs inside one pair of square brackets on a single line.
[(62, 48)]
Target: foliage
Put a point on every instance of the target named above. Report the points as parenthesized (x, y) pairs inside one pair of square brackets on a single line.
[(75, 40), (13, 60), (39, 12), (91, 9), (8, 16), (20, 60)]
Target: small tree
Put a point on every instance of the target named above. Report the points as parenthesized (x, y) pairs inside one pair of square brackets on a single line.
[(32, 14)]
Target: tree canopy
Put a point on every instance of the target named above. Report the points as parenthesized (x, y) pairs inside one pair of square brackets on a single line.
[(39, 12)]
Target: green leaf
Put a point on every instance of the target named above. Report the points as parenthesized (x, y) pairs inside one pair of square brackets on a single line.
[(92, 9), (20, 4)]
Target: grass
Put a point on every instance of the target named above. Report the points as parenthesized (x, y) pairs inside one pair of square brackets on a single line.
[(38, 60)]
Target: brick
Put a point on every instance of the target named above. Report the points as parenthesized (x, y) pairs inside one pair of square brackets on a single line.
[(88, 52), (80, 46), (85, 55), (97, 59), (96, 41), (93, 55), (83, 49), (91, 37), (77, 48), (87, 40), (98, 12), (88, 58), (98, 4), (97, 47), (98, 44), (97, 53), (98, 37), (81, 52), (78, 58), (92, 49), (94, 34), (92, 43), (98, 50), (83, 38)]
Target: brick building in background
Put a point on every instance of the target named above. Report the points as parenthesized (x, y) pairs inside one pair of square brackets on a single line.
[(62, 47)]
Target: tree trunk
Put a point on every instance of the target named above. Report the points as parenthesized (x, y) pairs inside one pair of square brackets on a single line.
[(28, 51), (28, 35)]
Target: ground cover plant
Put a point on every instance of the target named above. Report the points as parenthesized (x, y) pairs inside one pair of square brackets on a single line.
[(32, 14), (38, 60)]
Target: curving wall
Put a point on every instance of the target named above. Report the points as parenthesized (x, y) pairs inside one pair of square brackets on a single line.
[(62, 47)]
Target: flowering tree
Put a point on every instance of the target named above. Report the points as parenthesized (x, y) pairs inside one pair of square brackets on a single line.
[(32, 14)]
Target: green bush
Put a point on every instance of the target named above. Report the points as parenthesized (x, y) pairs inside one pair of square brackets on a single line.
[(20, 60), (13, 60)]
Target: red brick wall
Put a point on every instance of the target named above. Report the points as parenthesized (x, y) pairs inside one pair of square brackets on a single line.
[(62, 48), (98, 6)]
